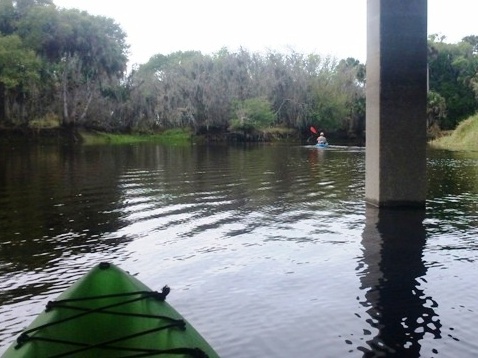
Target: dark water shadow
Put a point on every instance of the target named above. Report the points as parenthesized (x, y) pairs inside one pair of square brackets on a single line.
[(392, 271)]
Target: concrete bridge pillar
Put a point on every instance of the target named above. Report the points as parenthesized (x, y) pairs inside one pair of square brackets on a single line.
[(396, 103)]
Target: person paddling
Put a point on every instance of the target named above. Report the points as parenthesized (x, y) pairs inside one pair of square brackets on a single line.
[(321, 139)]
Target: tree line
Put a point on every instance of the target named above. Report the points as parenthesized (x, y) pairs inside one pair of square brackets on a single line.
[(68, 68)]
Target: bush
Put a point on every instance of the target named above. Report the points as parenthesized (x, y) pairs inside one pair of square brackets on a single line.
[(50, 120), (464, 137), (252, 114)]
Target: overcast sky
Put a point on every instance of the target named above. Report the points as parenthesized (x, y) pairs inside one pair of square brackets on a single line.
[(326, 27)]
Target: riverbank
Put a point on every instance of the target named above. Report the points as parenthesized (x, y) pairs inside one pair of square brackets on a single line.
[(178, 136), (173, 136), (73, 136), (464, 137), (57, 135)]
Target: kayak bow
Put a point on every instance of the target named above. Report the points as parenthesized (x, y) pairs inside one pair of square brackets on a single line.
[(109, 313)]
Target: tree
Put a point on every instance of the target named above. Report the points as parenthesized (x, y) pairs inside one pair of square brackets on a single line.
[(88, 51), (452, 68), (436, 109), (330, 102), (353, 78), (18, 74), (252, 114), (473, 41), (201, 91), (7, 17)]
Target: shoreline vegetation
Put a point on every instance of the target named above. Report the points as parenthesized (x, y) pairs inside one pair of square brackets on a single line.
[(179, 136), (463, 138), (54, 83), (167, 137)]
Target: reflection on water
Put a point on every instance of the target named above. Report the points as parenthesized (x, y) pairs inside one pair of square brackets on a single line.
[(269, 249), (392, 272)]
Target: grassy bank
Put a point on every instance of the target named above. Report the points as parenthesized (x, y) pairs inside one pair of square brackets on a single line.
[(43, 134), (172, 137), (464, 137), (183, 136)]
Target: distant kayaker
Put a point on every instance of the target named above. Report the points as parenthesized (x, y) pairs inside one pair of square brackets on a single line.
[(321, 139)]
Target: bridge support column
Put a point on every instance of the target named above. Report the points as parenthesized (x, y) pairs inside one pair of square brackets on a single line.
[(396, 103)]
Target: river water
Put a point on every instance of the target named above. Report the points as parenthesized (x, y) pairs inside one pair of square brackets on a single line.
[(269, 250)]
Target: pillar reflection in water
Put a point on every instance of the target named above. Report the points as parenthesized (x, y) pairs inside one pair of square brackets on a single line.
[(392, 272)]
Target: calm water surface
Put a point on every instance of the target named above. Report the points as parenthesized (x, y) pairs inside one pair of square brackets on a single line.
[(269, 250)]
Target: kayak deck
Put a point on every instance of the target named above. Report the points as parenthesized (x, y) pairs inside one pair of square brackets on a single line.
[(109, 313)]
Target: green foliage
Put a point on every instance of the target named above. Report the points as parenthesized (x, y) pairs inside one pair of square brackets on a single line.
[(473, 41), (177, 136), (80, 79), (453, 70), (329, 110), (170, 137), (72, 64), (57, 61), (50, 120), (7, 17), (464, 137), (252, 114), (436, 108), (18, 65), (19, 78), (330, 102)]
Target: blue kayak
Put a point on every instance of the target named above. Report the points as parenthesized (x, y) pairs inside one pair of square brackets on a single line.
[(322, 145)]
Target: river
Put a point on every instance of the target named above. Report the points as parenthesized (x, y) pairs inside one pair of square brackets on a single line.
[(269, 250)]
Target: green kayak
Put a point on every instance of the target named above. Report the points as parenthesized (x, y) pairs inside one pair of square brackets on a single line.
[(109, 313)]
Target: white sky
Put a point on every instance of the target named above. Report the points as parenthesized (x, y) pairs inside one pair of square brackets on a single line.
[(325, 27)]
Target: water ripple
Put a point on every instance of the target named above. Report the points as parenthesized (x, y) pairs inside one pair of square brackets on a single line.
[(267, 250)]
